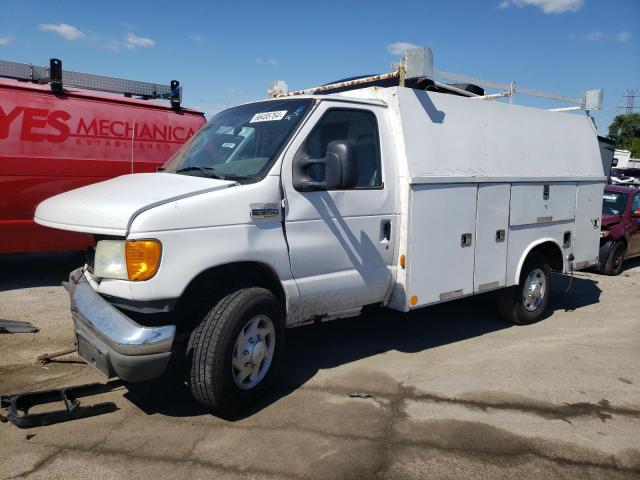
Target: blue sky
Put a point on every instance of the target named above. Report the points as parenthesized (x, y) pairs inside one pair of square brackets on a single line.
[(225, 53)]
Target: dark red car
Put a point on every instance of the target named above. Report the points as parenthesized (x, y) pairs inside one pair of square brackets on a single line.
[(620, 234)]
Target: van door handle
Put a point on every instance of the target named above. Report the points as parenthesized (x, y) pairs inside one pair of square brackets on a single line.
[(385, 231)]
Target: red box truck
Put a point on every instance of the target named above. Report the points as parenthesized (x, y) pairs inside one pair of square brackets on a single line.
[(54, 138)]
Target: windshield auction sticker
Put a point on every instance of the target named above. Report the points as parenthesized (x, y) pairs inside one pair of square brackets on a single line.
[(268, 116)]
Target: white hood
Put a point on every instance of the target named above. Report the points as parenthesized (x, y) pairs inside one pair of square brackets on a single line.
[(109, 207)]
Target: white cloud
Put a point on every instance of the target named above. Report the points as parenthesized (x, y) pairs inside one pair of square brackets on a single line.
[(623, 36), (134, 41), (196, 38), (597, 36), (64, 30), (547, 6), (113, 45), (130, 41), (594, 36), (6, 40), (399, 48), (267, 61)]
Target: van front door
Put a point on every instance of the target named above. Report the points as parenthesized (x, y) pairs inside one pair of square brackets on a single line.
[(634, 229), (341, 242)]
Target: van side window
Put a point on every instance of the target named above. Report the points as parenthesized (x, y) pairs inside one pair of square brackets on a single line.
[(357, 127), (636, 202)]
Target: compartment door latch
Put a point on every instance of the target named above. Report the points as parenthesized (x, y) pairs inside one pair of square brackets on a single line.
[(466, 239)]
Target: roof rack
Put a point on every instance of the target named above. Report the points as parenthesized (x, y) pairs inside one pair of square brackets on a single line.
[(417, 63), (58, 78)]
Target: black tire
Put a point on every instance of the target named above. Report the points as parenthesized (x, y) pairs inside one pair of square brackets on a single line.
[(615, 260), (510, 301), (211, 349)]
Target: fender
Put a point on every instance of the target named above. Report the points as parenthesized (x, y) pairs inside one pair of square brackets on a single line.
[(528, 250), (242, 271)]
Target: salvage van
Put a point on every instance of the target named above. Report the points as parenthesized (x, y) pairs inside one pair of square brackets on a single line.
[(54, 138), (392, 191)]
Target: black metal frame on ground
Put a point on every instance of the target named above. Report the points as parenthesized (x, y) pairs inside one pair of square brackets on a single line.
[(18, 405)]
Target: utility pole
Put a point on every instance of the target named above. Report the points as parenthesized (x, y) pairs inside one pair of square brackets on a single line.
[(630, 104)]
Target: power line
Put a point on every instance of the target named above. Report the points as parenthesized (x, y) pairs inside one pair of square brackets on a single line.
[(629, 104)]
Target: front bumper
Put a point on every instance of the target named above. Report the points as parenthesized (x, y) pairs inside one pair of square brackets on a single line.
[(112, 342)]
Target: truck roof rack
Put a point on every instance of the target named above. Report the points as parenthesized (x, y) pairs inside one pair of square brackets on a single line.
[(58, 78), (415, 70)]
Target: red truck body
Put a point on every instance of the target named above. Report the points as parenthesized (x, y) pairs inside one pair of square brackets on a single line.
[(51, 143)]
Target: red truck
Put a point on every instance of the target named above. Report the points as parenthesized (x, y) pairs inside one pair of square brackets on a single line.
[(54, 138), (620, 232)]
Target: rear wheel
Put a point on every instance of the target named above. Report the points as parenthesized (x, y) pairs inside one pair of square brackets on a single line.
[(615, 260), (526, 302), (234, 353)]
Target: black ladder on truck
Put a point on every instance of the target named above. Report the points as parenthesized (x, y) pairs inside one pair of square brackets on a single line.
[(58, 78)]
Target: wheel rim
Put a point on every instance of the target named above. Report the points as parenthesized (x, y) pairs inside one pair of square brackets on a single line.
[(617, 260), (253, 352), (534, 290)]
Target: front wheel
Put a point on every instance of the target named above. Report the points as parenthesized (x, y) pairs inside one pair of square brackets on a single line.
[(234, 353), (526, 302)]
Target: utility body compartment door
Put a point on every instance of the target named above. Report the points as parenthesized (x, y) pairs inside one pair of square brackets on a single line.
[(586, 236), (442, 228), (492, 231), (533, 203)]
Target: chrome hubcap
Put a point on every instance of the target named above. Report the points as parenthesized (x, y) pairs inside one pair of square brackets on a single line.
[(253, 352), (617, 260), (534, 290)]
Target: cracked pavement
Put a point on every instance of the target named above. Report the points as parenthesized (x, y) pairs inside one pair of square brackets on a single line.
[(455, 393)]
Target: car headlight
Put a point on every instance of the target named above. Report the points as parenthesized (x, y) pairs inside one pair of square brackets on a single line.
[(127, 259), (604, 233)]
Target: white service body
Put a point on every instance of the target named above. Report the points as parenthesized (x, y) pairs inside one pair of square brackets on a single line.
[(469, 188)]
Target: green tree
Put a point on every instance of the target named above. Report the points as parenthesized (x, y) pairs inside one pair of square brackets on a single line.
[(625, 131), (635, 148)]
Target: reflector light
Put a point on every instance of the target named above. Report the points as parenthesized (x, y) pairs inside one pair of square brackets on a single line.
[(143, 258)]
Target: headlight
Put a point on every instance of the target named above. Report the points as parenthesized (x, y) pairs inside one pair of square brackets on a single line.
[(127, 260), (109, 260), (604, 233)]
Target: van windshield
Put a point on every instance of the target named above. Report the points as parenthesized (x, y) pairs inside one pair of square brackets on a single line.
[(614, 203), (240, 143)]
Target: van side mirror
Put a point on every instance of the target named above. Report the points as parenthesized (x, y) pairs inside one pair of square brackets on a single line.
[(338, 165), (635, 213)]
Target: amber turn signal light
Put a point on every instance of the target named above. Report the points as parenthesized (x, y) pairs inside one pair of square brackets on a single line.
[(143, 258)]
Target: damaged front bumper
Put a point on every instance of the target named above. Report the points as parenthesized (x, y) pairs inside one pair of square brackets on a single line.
[(111, 341)]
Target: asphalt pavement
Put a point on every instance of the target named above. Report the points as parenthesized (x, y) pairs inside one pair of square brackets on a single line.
[(453, 392)]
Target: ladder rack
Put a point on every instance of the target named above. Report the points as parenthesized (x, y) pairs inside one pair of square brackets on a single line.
[(58, 78), (418, 63)]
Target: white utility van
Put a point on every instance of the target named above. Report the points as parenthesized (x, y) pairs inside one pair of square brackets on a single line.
[(393, 190)]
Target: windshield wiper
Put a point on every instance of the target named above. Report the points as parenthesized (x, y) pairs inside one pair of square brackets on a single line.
[(209, 171)]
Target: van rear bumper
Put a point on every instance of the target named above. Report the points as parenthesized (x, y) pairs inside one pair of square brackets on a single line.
[(111, 341)]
